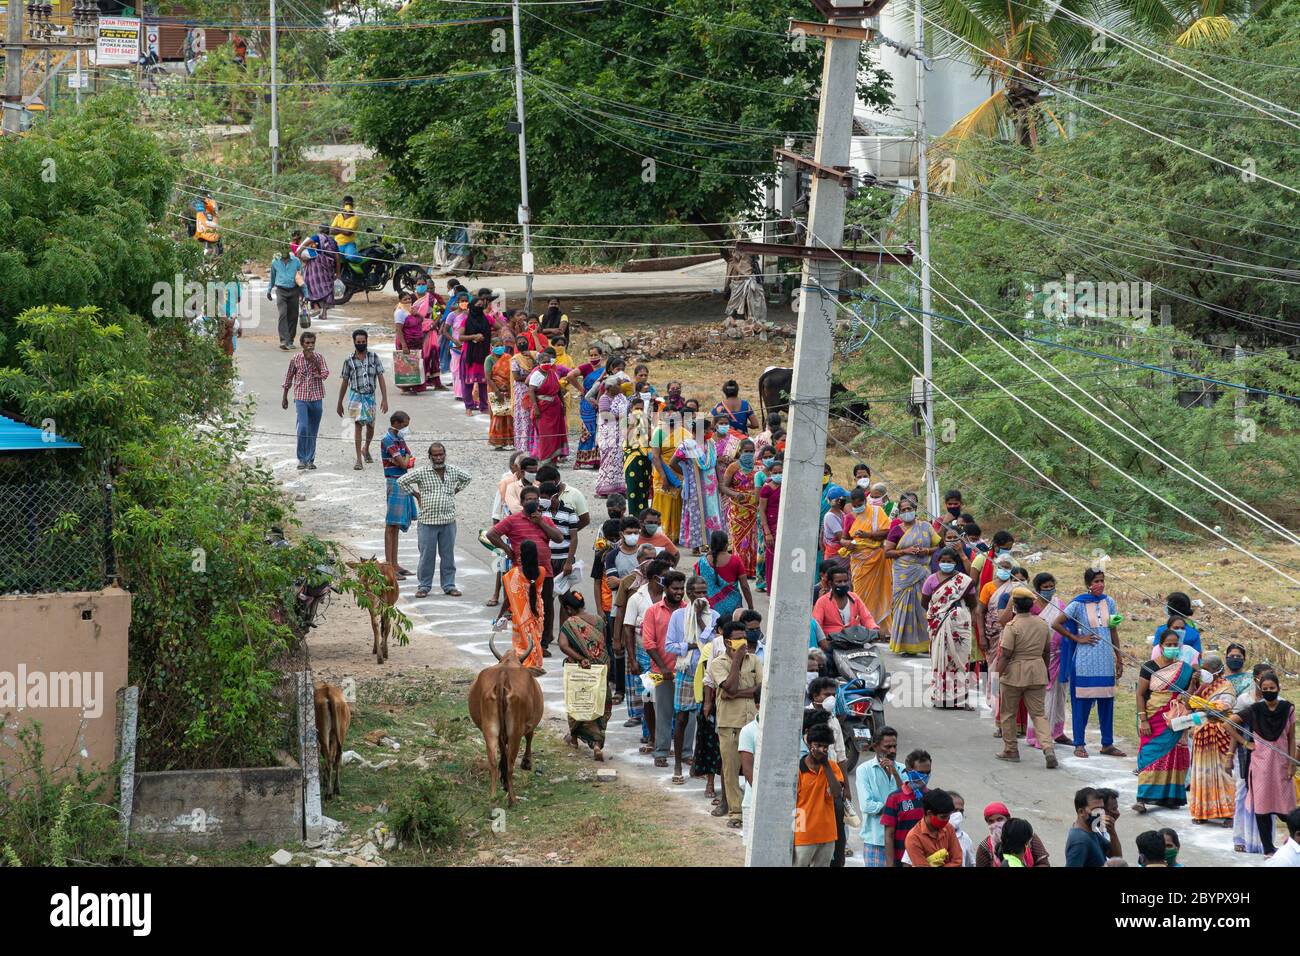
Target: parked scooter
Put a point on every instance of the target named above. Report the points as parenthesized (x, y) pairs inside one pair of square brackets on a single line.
[(312, 592), (860, 699)]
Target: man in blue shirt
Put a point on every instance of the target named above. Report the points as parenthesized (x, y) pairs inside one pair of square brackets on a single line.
[(877, 779), (1084, 844), (284, 280)]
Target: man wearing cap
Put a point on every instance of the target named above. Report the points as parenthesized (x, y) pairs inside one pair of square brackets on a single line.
[(1026, 646)]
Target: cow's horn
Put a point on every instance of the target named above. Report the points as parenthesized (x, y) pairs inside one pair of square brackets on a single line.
[(492, 645), (529, 653)]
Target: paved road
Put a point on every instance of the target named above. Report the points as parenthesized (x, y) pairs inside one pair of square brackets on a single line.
[(349, 506)]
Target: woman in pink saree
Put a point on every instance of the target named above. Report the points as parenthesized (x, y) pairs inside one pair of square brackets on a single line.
[(544, 384), (949, 599)]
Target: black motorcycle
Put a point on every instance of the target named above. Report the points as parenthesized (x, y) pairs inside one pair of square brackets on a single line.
[(376, 264), (860, 699), (311, 592)]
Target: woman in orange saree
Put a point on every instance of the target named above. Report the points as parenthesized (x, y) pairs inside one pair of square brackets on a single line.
[(523, 587)]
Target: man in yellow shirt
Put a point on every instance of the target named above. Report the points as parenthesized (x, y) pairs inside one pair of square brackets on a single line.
[(344, 228)]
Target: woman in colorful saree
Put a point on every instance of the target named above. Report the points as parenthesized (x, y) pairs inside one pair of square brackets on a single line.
[(1163, 757), (667, 484), (742, 515), (909, 545), (501, 428), (701, 513), (724, 574), (870, 569), (520, 367), (1211, 794), (587, 455), (582, 641), (609, 440), (636, 458), (951, 621), (548, 409), (523, 587)]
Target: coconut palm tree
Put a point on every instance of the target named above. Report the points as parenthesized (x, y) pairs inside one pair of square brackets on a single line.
[(1190, 23), (1017, 44)]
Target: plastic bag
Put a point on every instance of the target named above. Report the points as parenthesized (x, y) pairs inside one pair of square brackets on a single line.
[(584, 691)]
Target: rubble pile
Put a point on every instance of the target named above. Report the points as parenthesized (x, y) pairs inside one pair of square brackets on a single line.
[(728, 338)]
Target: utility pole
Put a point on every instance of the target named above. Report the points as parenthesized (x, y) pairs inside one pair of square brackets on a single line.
[(78, 86), (275, 111), (931, 476), (776, 770), (525, 214), (13, 101)]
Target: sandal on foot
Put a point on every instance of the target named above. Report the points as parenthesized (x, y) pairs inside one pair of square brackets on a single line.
[(661, 761), (646, 749), (490, 602), (678, 779), (1113, 751), (735, 823), (1081, 751), (1141, 808), (718, 811)]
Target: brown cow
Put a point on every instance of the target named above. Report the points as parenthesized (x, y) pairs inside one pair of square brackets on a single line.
[(505, 703), (379, 623), (332, 719)]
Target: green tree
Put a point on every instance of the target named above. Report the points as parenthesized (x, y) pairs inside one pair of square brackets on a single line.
[(606, 91)]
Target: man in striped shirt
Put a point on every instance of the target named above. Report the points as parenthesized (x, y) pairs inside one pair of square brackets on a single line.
[(306, 376), (361, 372)]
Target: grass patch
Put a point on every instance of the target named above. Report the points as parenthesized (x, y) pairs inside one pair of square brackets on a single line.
[(435, 795)]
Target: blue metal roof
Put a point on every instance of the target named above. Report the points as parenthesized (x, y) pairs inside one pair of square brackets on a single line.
[(17, 436)]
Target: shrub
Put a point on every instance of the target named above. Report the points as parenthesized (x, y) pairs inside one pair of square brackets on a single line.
[(425, 816)]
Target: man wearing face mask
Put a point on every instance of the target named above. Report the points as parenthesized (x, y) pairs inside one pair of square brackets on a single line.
[(952, 505), (652, 533), (1025, 650), (362, 370), (654, 637), (737, 677), (1085, 844), (530, 523), (397, 460), (933, 842), (284, 280), (903, 808)]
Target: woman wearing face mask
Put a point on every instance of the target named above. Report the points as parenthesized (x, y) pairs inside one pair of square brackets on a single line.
[(1211, 795), (1272, 746), (739, 415), (953, 626), (701, 511), (739, 492), (548, 408), (666, 473), (769, 496), (1163, 757), (501, 429), (612, 414), (1092, 662), (636, 457), (1245, 834), (587, 455), (991, 596), (989, 851), (909, 545), (1179, 603), (521, 366), (867, 564)]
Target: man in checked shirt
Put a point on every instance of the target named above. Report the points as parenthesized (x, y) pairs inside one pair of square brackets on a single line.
[(306, 376)]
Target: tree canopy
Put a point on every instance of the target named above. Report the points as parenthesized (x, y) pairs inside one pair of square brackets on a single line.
[(703, 88)]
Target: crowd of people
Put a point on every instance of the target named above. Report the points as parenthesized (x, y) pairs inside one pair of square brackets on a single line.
[(666, 607)]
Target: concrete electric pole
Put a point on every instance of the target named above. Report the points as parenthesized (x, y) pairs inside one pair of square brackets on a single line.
[(13, 101), (776, 768), (275, 110), (525, 213)]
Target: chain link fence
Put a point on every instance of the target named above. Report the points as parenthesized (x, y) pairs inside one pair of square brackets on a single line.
[(55, 536)]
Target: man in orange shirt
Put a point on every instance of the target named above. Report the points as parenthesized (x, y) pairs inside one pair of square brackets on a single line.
[(821, 787), (933, 842)]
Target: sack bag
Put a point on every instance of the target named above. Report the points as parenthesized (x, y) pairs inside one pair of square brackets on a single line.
[(500, 406), (584, 690), (406, 369), (304, 318)]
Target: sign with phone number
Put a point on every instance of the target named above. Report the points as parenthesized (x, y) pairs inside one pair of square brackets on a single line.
[(118, 40)]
